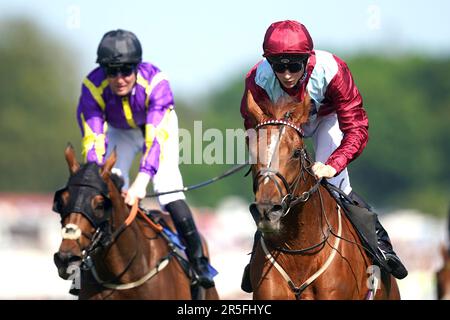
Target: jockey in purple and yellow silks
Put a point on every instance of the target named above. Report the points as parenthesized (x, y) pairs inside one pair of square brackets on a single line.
[(127, 105), (100, 107)]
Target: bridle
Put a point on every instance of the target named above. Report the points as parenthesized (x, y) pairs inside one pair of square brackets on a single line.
[(88, 263), (103, 238), (288, 199)]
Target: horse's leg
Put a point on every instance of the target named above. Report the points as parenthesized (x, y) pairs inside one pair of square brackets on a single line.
[(388, 288), (211, 294), (394, 293)]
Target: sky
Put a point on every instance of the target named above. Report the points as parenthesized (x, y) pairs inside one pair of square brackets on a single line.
[(201, 44)]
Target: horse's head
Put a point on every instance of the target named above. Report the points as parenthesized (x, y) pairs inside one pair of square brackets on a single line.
[(278, 147), (85, 207)]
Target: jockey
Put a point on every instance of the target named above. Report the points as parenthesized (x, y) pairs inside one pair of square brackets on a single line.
[(337, 123), (127, 105)]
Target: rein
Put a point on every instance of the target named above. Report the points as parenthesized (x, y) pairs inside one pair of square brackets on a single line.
[(201, 184), (88, 263), (290, 200)]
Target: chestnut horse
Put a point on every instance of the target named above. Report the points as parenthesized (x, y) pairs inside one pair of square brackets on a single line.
[(115, 252), (443, 275), (308, 248)]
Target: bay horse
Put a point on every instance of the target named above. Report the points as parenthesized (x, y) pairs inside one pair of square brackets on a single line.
[(308, 249), (443, 274), (115, 252)]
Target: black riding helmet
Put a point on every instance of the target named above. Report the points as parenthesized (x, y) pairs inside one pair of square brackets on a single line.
[(119, 47)]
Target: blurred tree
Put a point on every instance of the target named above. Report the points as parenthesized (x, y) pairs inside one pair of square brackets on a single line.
[(407, 99), (404, 165), (37, 96), (218, 110)]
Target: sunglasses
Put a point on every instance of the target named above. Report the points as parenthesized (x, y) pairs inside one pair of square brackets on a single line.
[(125, 70), (292, 67)]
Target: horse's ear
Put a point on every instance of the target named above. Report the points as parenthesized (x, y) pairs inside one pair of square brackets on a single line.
[(254, 109), (71, 159), (109, 163), (301, 113)]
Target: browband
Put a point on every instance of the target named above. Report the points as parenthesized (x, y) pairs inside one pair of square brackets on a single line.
[(280, 122)]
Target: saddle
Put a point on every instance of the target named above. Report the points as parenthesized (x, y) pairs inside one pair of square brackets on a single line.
[(363, 220), (176, 245)]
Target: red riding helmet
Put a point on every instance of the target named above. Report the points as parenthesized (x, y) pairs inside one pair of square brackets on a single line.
[(287, 37)]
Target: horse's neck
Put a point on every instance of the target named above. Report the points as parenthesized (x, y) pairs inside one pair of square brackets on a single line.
[(127, 252), (306, 225)]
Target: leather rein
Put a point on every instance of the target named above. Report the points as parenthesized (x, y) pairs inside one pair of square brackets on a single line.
[(103, 239), (290, 199)]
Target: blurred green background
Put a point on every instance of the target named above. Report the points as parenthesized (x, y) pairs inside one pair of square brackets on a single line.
[(407, 98)]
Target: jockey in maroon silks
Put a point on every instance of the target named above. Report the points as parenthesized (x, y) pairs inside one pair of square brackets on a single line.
[(337, 123), (127, 104)]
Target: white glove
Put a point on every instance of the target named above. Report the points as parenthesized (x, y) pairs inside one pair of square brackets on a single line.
[(117, 171), (138, 189), (323, 170)]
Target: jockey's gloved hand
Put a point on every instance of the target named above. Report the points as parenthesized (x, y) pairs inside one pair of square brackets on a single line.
[(322, 170), (138, 189)]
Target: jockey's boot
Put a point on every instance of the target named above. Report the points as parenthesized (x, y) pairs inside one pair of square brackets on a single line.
[(398, 270), (185, 225), (359, 201), (246, 284)]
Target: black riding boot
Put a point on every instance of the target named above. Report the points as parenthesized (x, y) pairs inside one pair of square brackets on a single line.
[(246, 284), (185, 225), (398, 270), (359, 201)]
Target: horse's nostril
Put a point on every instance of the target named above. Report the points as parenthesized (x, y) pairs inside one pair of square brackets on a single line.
[(273, 212), (74, 259), (67, 257), (277, 207)]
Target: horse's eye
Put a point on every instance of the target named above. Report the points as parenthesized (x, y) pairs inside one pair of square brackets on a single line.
[(297, 153)]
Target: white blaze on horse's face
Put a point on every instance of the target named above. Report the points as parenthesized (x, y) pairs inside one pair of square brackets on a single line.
[(272, 150)]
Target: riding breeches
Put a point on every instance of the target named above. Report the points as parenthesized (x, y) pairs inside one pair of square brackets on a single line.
[(326, 137), (129, 142)]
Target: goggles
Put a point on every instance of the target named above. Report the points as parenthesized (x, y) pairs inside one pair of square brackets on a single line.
[(124, 70), (282, 67)]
